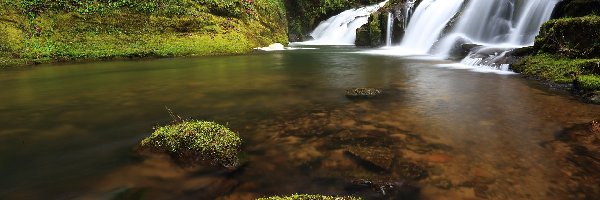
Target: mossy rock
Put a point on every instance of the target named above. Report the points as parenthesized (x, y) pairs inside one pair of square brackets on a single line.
[(196, 142), (308, 197), (371, 34), (571, 37)]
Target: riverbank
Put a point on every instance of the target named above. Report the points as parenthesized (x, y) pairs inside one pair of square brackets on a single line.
[(47, 31), (567, 53)]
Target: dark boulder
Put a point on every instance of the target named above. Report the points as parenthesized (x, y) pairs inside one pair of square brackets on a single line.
[(571, 37), (576, 8)]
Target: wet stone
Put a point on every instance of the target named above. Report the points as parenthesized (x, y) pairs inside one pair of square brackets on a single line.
[(442, 183), (383, 189), (411, 171), (362, 92), (373, 158), (595, 128), (481, 190)]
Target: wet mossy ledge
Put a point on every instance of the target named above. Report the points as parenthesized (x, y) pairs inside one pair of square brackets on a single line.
[(43, 31), (309, 197), (195, 142), (567, 53)]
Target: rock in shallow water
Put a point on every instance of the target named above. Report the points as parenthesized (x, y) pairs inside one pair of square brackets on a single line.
[(373, 158), (595, 128), (383, 189), (362, 92)]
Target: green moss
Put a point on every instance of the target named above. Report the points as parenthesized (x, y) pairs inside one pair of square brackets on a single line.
[(371, 34), (589, 82), (48, 30), (571, 37), (556, 68), (308, 197), (196, 141)]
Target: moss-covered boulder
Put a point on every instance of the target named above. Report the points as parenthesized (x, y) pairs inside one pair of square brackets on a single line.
[(308, 197), (576, 8), (371, 34), (571, 37), (196, 142)]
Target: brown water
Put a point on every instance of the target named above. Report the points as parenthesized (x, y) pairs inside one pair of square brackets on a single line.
[(69, 131)]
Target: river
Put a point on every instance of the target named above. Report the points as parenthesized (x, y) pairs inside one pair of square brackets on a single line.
[(69, 131)]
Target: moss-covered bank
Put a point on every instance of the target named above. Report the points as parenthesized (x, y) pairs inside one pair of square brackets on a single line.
[(567, 52), (50, 30)]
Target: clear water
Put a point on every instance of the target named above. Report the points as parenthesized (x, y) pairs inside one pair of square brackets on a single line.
[(69, 130)]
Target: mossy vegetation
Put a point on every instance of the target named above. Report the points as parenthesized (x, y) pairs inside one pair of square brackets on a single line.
[(571, 37), (556, 68), (589, 82), (193, 142), (308, 197), (371, 34), (49, 30)]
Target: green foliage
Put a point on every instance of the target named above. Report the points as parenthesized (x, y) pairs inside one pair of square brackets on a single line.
[(589, 82), (207, 141), (308, 197)]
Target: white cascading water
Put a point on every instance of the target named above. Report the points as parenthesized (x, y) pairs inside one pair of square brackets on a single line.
[(389, 29), (341, 29), (427, 23), (408, 11), (503, 25)]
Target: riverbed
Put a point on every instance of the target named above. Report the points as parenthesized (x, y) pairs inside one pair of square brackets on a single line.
[(69, 131)]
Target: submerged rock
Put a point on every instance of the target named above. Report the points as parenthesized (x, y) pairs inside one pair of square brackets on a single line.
[(196, 142), (411, 171), (373, 158), (362, 92), (384, 189), (308, 197), (595, 128)]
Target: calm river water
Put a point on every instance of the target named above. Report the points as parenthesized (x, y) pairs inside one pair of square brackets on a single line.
[(69, 131)]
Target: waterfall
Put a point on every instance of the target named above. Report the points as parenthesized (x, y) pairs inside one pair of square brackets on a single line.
[(408, 11), (532, 16), (389, 29), (505, 23), (341, 29), (427, 23)]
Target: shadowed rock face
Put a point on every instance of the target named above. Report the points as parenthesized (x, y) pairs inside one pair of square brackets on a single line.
[(576, 8)]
